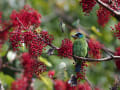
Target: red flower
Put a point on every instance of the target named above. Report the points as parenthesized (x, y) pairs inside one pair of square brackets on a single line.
[(31, 66), (28, 37), (87, 5), (25, 17), (36, 47), (94, 48), (59, 85), (66, 48), (116, 31), (20, 84), (51, 73), (46, 37), (103, 16), (15, 39), (117, 62), (84, 86)]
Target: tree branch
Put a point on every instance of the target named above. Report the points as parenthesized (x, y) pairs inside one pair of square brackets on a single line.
[(107, 7)]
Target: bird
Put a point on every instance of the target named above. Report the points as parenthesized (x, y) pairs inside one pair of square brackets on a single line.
[(80, 49)]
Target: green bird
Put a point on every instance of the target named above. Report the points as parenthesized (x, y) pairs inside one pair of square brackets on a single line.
[(80, 48)]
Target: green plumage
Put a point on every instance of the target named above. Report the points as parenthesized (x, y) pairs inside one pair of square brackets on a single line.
[(80, 47)]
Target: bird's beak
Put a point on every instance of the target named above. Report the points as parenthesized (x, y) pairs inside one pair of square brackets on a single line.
[(75, 37)]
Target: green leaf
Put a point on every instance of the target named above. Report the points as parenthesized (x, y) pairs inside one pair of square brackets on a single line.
[(6, 80), (44, 60), (47, 81)]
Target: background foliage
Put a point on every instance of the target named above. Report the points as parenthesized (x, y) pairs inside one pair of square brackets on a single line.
[(101, 74)]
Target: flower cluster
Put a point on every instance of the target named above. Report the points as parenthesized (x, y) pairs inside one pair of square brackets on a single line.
[(116, 31), (33, 41), (28, 37), (20, 84), (87, 5), (31, 66), (94, 48), (27, 16), (46, 37), (117, 62), (103, 16), (36, 47), (81, 74), (66, 48), (61, 85), (15, 39)]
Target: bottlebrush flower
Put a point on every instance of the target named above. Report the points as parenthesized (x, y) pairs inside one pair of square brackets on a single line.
[(25, 17), (66, 48), (51, 73), (116, 30), (20, 84), (59, 85), (94, 48), (103, 16), (117, 62), (87, 5)]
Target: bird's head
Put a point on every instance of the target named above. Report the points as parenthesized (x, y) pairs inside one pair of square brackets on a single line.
[(78, 35)]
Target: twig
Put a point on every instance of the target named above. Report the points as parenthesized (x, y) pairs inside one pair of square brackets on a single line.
[(10, 67), (20, 22)]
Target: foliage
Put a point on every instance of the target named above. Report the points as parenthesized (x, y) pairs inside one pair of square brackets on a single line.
[(38, 36)]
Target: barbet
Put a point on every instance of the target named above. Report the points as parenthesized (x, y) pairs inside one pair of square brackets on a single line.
[(80, 48)]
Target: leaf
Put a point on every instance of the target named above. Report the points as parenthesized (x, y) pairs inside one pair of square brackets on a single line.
[(44, 60), (4, 50), (94, 29), (6, 79), (47, 82)]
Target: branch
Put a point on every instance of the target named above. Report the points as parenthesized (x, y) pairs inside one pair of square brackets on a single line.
[(109, 58), (107, 7), (10, 67), (116, 13)]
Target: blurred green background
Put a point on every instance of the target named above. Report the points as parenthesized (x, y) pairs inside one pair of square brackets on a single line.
[(102, 74)]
